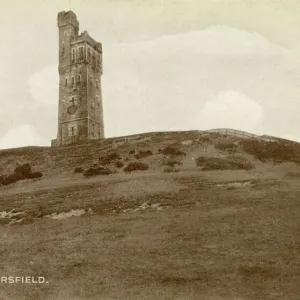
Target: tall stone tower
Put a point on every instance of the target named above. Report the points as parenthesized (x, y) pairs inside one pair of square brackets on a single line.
[(80, 111)]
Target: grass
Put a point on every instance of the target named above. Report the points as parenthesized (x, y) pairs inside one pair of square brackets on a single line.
[(240, 243)]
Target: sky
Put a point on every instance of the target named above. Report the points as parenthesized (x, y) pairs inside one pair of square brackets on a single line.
[(167, 65)]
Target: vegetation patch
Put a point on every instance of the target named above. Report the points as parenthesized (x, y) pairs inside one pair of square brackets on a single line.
[(119, 164), (228, 163), (78, 170), (173, 163), (169, 150), (97, 171), (136, 166), (171, 170), (142, 154), (226, 146), (110, 158), (273, 151), (21, 172)]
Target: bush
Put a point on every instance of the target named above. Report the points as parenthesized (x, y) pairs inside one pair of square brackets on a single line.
[(20, 173), (168, 150), (109, 158), (225, 146), (78, 170), (119, 164), (136, 166), (35, 175), (12, 178), (170, 170), (142, 154), (214, 163), (96, 171), (274, 151), (131, 152), (23, 170), (173, 163)]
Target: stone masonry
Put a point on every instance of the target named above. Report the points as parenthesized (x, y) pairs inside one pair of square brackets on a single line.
[(80, 111)]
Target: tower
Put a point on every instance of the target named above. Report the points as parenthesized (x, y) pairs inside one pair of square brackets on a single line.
[(80, 111)]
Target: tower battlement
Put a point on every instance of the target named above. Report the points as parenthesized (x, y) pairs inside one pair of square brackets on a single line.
[(66, 18)]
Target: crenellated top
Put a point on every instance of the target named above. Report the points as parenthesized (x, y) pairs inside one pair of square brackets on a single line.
[(67, 18), (85, 37)]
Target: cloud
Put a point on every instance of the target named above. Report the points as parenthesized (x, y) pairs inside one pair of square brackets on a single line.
[(231, 109), (43, 85), (24, 135), (167, 83), (213, 40)]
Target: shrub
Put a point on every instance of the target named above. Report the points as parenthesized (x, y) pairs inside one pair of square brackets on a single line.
[(214, 163), (96, 171), (274, 151), (142, 154), (23, 170), (136, 166), (225, 146), (34, 175), (172, 163), (131, 152), (170, 170), (119, 164), (109, 158), (168, 150), (12, 178), (78, 170)]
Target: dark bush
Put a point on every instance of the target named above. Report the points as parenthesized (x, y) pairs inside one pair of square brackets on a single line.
[(136, 166), (131, 152), (34, 175), (142, 154), (96, 171), (168, 150), (78, 170), (106, 160), (274, 151), (20, 173), (23, 170), (214, 163), (170, 170), (119, 164), (173, 163), (226, 146), (12, 178)]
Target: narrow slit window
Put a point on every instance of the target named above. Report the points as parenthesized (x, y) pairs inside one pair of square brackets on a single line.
[(81, 52), (73, 80), (66, 81), (89, 54)]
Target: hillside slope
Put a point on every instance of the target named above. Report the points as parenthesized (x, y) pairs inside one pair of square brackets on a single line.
[(212, 217)]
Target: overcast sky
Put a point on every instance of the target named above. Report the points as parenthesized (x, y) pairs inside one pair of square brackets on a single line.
[(168, 65)]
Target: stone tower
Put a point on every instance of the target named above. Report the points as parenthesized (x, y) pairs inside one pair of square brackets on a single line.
[(80, 111)]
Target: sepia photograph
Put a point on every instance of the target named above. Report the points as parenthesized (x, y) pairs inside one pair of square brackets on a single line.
[(150, 150)]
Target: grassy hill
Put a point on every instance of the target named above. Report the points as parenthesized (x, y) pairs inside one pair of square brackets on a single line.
[(211, 217)]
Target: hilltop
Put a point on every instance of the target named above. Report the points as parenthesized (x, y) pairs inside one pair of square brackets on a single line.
[(209, 216)]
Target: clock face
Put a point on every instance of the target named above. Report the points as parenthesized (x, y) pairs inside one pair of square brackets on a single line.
[(72, 109)]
